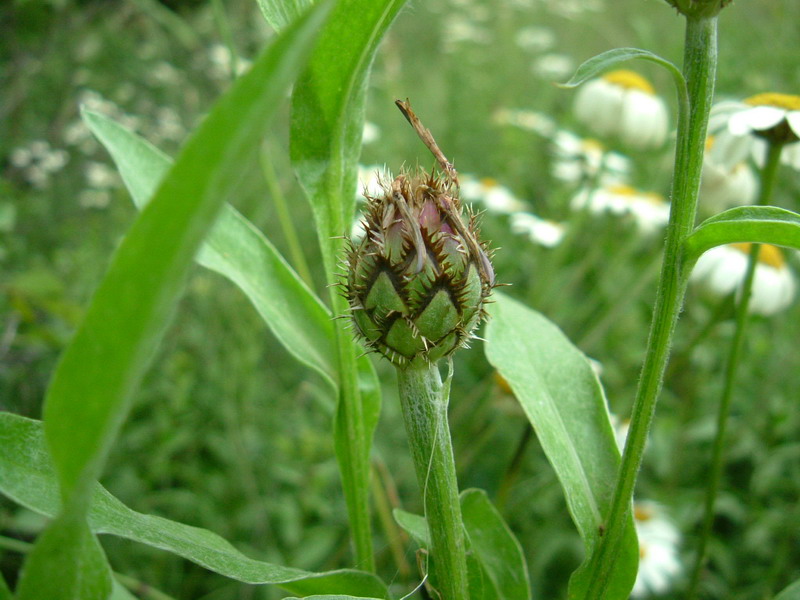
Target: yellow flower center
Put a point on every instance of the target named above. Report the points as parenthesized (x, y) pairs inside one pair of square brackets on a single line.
[(489, 182), (623, 190), (642, 513), (630, 80), (631, 192), (710, 142), (785, 101), (592, 145), (768, 254)]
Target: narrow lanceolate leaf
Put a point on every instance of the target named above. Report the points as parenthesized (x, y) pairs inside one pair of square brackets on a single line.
[(495, 546), (327, 124), (602, 62), (497, 569), (790, 593), (5, 593), (28, 478), (328, 111), (66, 562), (88, 397), (564, 402), (758, 224), (279, 13), (235, 249)]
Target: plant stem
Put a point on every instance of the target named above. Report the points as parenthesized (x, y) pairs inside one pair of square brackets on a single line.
[(424, 400), (737, 343), (699, 69)]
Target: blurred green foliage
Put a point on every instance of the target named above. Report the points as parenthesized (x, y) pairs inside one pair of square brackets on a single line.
[(229, 433)]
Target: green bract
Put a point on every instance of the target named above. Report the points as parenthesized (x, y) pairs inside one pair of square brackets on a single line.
[(418, 279)]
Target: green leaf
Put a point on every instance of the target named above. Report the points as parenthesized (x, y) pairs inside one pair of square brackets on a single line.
[(602, 62), (66, 562), (790, 593), (279, 13), (28, 478), (88, 398), (759, 224), (326, 130), (497, 564), (328, 112), (495, 546), (564, 402), (5, 593), (236, 249)]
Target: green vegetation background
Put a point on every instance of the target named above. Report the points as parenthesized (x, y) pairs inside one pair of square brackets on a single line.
[(230, 434)]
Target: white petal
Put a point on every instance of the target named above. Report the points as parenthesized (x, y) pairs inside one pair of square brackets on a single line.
[(757, 118), (793, 117)]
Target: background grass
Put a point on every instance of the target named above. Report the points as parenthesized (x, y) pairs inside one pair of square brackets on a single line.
[(230, 434)]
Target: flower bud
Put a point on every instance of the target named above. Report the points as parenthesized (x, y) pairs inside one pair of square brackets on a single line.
[(418, 279)]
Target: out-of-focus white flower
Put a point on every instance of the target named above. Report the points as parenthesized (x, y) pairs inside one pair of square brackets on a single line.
[(535, 39), (100, 175), (494, 197), (94, 198), (721, 271), (372, 180), (38, 161), (553, 66), (724, 184), (578, 159), (222, 62), (370, 133), (540, 231), (459, 29), (659, 564), (529, 120), (744, 127), (649, 210), (623, 104)]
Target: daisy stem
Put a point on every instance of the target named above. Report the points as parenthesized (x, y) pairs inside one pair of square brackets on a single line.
[(699, 70), (737, 343), (424, 399)]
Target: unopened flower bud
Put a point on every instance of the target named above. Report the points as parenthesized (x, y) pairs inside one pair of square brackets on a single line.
[(418, 279)]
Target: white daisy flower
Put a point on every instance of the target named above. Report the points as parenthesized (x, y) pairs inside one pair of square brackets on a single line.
[(529, 120), (494, 197), (623, 104), (578, 159), (535, 38), (744, 126), (649, 210), (721, 271), (659, 564), (540, 231), (725, 183), (553, 66)]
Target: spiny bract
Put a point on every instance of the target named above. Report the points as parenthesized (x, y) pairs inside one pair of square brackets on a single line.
[(418, 278)]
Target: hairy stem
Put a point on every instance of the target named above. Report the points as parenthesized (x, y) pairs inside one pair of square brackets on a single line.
[(734, 353), (699, 69), (424, 399)]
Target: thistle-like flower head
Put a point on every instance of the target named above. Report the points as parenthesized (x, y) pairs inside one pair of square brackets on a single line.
[(418, 279)]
